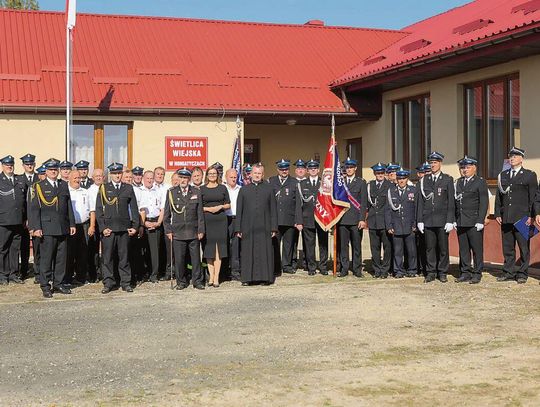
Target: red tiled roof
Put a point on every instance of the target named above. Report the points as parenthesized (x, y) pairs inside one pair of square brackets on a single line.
[(461, 27), (128, 62)]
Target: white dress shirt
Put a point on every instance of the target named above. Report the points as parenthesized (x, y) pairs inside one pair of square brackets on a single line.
[(93, 193), (80, 201), (151, 201), (233, 196)]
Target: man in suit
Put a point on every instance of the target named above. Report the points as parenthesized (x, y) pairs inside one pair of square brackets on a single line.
[(308, 188), (472, 202), (435, 216), (352, 224), (82, 167), (289, 215), (51, 219), (183, 220), (12, 214), (29, 177), (400, 219), (300, 173), (421, 171), (118, 218), (514, 201), (377, 198)]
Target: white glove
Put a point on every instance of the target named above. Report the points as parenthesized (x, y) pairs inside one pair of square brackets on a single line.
[(448, 227), (479, 227), (455, 225), (421, 227)]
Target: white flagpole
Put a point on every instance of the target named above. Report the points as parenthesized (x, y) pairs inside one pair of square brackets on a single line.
[(70, 25)]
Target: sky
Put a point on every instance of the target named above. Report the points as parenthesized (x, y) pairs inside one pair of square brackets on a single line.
[(392, 14)]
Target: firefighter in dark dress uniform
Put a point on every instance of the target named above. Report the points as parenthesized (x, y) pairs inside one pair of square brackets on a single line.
[(472, 202), (289, 215), (12, 213), (400, 219), (435, 216), (300, 173), (309, 187), (117, 215), (183, 221), (82, 167), (51, 219), (514, 201), (29, 177), (377, 198), (421, 171), (352, 224), (36, 241)]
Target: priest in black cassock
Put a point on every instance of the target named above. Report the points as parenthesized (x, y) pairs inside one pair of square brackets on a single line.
[(256, 225)]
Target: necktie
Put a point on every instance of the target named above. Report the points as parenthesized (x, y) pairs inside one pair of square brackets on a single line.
[(513, 174), (54, 185), (30, 179), (434, 178), (378, 185), (184, 192), (400, 192), (465, 183), (314, 183)]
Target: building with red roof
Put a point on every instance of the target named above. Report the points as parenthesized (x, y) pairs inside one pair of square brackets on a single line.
[(466, 81)]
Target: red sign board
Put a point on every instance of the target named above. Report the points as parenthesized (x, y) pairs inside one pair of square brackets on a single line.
[(186, 152)]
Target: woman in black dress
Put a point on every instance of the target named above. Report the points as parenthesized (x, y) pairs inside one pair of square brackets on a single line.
[(216, 200)]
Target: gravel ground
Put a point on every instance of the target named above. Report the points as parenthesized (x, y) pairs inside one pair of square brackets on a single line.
[(314, 341)]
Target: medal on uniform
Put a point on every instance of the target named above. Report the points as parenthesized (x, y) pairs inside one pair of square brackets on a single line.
[(439, 191), (287, 191)]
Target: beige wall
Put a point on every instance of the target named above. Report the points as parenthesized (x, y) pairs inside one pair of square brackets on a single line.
[(447, 116)]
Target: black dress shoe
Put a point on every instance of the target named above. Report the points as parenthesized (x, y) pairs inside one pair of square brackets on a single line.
[(106, 290), (463, 279), (443, 279), (127, 289), (505, 278), (359, 275), (16, 280), (245, 284), (521, 280), (61, 289), (399, 276), (311, 273), (4, 282), (474, 281), (180, 287), (199, 287), (324, 273), (341, 275), (384, 276), (47, 294), (36, 281), (289, 271), (429, 279)]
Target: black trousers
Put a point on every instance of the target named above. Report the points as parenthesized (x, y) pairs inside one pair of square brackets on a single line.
[(234, 251), (438, 257), (165, 261), (93, 258), (285, 239), (36, 249), (350, 234), (116, 245), (471, 240), (296, 255), (10, 246), (510, 236), (310, 235), (378, 239), (136, 247), (421, 256), (25, 252), (52, 265), (152, 247), (404, 246), (181, 249), (77, 259)]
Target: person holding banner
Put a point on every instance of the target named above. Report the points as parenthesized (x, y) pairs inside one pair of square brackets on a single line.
[(514, 202), (436, 215), (353, 222), (472, 201)]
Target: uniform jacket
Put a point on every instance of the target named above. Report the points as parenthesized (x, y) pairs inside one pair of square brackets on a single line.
[(88, 183), (436, 205), (24, 178), (12, 201), (358, 189), (472, 201), (377, 200), (308, 199), (402, 219), (518, 201), (288, 201), (184, 216), (121, 212), (54, 219)]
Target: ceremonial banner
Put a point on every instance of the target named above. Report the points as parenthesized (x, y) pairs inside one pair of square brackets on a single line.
[(332, 198), (237, 162), (186, 152)]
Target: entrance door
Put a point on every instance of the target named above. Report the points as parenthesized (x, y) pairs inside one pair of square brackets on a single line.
[(101, 143), (354, 150), (252, 152)]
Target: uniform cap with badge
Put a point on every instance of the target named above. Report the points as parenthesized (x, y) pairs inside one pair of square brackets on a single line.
[(115, 168), (312, 164), (349, 162), (51, 164), (8, 160), (435, 156), (467, 161), (41, 170), (66, 165), (28, 159), (516, 151), (392, 167), (137, 170), (184, 172), (300, 163), (379, 167), (283, 164), (82, 165), (402, 173)]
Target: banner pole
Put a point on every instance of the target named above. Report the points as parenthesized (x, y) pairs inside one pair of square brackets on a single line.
[(335, 251)]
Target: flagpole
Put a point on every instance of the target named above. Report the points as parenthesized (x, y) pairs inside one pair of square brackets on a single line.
[(68, 90), (336, 226)]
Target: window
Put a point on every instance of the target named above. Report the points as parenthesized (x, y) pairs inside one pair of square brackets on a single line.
[(411, 130), (101, 143), (354, 150), (492, 123)]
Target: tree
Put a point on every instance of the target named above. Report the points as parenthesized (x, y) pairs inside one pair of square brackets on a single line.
[(20, 4)]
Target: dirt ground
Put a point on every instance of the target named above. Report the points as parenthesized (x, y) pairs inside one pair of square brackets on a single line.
[(306, 341)]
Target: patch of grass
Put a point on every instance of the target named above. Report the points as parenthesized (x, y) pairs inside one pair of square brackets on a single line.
[(398, 389)]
